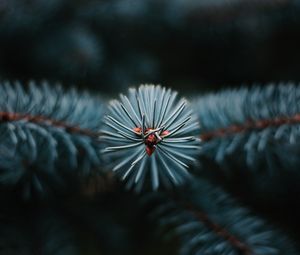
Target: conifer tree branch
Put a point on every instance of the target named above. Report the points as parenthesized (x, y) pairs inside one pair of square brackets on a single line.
[(46, 133), (259, 124), (151, 137), (208, 221), (250, 125), (42, 120), (219, 230)]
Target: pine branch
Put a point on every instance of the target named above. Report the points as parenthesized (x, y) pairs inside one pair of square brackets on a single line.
[(46, 133), (208, 221), (256, 128), (150, 132)]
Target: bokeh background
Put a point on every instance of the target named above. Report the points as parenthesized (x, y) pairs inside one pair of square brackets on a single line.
[(108, 45)]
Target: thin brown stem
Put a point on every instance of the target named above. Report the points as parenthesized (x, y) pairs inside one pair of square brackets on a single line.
[(11, 116), (250, 125), (220, 231)]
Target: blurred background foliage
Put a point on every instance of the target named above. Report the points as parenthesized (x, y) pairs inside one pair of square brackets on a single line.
[(109, 44)]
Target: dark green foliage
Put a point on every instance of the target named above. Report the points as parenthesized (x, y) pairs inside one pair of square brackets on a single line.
[(77, 50), (21, 17), (208, 221), (209, 43), (46, 133), (252, 136), (50, 138), (256, 123)]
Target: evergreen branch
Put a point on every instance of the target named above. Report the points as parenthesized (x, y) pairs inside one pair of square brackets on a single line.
[(47, 133), (260, 124), (41, 120), (144, 134), (219, 230), (251, 125), (208, 221)]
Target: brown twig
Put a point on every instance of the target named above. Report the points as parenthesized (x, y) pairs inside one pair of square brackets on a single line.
[(250, 125), (219, 230), (11, 116)]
